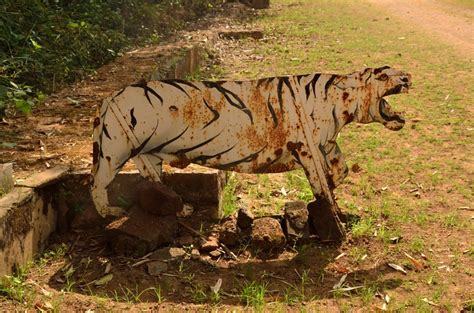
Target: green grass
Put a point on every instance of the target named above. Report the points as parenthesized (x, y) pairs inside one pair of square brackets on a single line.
[(253, 294)]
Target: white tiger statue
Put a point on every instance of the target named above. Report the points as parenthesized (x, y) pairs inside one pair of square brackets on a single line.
[(250, 126)]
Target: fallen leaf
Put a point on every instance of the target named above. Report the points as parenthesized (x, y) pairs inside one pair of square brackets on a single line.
[(418, 265), (339, 256), (397, 268), (340, 282), (104, 280), (217, 286), (429, 302)]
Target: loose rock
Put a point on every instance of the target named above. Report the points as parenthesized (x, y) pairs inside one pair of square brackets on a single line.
[(156, 268), (215, 253), (210, 244), (195, 254), (167, 254), (184, 240), (229, 233), (267, 234), (158, 199), (296, 219), (244, 218)]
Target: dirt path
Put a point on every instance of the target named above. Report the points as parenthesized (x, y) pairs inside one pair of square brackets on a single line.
[(451, 24)]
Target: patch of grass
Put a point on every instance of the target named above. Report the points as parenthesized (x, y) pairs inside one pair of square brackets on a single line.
[(229, 202), (253, 294), (14, 288), (417, 245), (198, 293), (296, 180), (364, 227)]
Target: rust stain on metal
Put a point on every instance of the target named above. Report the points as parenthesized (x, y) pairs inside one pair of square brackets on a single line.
[(268, 125)]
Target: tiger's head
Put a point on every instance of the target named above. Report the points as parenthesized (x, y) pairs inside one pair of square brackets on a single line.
[(379, 83)]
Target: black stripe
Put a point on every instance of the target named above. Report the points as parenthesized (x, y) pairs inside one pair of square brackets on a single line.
[(247, 159), (186, 150), (136, 151), (202, 159), (272, 112), (236, 102), (164, 144), (214, 111), (106, 132), (286, 80), (176, 85), (280, 94), (336, 122), (133, 120), (120, 92), (328, 84), (267, 81), (299, 77), (183, 82), (143, 84), (307, 90), (314, 81)]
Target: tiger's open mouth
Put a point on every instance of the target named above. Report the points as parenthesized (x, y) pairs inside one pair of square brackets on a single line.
[(393, 120)]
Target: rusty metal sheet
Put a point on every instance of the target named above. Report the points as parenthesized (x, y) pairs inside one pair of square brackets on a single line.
[(267, 125)]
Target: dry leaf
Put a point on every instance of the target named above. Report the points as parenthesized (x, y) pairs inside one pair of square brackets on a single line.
[(217, 286), (104, 280), (418, 265), (340, 282), (397, 268)]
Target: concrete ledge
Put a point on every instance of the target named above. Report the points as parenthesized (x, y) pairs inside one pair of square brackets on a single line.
[(27, 218)]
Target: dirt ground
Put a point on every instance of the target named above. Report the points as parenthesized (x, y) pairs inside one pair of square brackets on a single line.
[(75, 274), (451, 24)]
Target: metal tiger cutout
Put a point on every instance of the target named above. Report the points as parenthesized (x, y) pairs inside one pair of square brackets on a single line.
[(268, 125)]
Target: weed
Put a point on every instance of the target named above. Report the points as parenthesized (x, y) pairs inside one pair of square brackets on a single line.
[(198, 294), (229, 202), (417, 245), (363, 227), (15, 288), (253, 294)]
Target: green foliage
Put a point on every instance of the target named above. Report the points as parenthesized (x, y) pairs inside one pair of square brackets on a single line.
[(45, 44)]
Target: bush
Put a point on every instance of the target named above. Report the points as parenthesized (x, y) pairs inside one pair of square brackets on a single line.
[(48, 43)]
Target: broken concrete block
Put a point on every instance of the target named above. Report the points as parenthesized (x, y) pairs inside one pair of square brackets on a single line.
[(157, 199), (141, 232), (267, 234), (27, 218), (198, 186), (6, 178), (296, 220), (244, 218), (45, 178), (229, 233)]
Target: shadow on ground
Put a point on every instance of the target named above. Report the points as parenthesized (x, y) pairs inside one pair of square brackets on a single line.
[(302, 273)]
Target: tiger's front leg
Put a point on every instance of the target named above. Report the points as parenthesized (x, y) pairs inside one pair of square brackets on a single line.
[(323, 212)]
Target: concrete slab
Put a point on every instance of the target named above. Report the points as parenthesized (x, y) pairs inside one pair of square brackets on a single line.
[(44, 178)]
